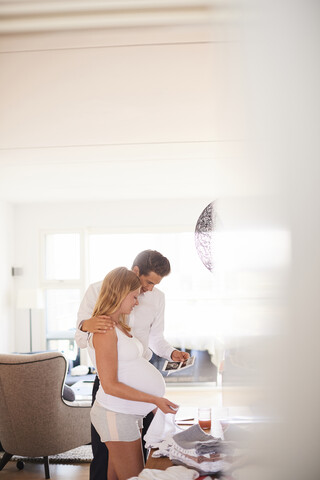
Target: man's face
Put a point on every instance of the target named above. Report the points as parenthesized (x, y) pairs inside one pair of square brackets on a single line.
[(149, 281)]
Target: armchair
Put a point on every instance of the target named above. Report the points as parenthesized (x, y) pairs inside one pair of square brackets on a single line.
[(35, 421)]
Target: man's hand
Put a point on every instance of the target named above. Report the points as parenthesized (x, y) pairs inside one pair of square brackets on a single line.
[(178, 356), (97, 324)]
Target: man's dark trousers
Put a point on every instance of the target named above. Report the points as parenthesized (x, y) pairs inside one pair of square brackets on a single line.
[(99, 464)]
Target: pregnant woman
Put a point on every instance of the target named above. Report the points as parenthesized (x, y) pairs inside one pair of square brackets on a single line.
[(130, 386)]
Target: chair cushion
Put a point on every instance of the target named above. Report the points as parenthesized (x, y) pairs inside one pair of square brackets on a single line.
[(68, 393)]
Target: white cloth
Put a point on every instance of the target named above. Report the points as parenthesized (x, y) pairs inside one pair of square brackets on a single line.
[(163, 448), (162, 426), (171, 473), (136, 372), (184, 450), (190, 457), (181, 448), (146, 321)]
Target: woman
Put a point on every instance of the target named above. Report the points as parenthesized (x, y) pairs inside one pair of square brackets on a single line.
[(130, 387)]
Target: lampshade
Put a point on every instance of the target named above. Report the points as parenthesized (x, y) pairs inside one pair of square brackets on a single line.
[(30, 298), (204, 235)]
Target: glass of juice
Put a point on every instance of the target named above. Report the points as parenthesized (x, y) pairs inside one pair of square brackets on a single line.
[(204, 418)]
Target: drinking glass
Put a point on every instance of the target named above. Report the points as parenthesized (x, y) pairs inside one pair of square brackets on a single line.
[(204, 418)]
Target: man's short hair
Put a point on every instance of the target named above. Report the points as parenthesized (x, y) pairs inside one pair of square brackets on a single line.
[(152, 261)]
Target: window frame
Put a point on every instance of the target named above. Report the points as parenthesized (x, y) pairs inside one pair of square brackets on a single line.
[(61, 284)]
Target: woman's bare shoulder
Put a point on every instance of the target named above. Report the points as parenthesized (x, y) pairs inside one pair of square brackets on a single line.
[(110, 336)]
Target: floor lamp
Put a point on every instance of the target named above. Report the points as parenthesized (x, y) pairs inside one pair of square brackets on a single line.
[(30, 299)]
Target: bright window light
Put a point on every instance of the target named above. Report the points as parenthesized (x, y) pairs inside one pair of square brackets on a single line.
[(251, 250), (242, 296), (62, 307), (108, 251)]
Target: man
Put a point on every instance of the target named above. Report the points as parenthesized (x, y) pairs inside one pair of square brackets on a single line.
[(147, 323)]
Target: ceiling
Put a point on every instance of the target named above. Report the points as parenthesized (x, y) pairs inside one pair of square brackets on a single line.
[(122, 100)]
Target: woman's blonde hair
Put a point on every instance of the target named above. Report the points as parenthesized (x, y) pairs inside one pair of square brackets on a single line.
[(115, 287)]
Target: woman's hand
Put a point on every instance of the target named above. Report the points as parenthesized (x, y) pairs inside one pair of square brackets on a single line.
[(166, 406), (99, 324)]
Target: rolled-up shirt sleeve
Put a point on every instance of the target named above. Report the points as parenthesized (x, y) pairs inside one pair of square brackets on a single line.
[(85, 312), (157, 342)]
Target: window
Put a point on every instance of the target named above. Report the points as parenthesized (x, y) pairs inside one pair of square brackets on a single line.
[(61, 279), (242, 296), (62, 306)]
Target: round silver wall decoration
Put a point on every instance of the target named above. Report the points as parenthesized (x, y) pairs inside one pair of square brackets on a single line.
[(204, 235)]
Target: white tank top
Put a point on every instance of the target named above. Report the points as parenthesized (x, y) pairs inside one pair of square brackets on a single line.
[(135, 371)]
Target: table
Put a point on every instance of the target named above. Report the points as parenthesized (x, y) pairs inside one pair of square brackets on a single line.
[(237, 424), (72, 379), (162, 463), (83, 390)]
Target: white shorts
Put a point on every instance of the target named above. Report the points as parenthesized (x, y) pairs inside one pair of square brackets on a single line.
[(114, 426)]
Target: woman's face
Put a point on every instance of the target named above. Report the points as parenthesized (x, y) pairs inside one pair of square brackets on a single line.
[(129, 302)]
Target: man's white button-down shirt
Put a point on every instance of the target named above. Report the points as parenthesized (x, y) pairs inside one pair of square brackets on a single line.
[(146, 321)]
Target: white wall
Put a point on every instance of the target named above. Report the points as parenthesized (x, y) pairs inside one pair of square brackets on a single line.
[(135, 106), (6, 280)]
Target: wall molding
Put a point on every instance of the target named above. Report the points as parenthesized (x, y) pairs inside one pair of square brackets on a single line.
[(19, 16)]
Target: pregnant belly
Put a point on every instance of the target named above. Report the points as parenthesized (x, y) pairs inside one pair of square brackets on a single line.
[(138, 374), (142, 375)]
